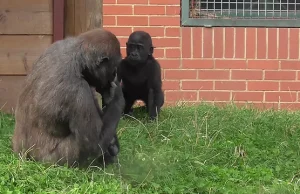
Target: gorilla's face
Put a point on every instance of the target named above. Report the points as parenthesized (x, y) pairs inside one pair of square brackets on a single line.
[(138, 48), (103, 72)]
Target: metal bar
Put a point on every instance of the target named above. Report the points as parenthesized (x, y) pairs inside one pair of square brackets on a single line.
[(265, 8), (192, 8), (242, 23), (282, 14), (185, 8)]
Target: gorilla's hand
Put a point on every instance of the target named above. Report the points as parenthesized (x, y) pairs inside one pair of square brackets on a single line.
[(109, 94), (114, 95), (118, 97)]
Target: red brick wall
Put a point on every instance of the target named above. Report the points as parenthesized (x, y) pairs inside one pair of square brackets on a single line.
[(257, 65)]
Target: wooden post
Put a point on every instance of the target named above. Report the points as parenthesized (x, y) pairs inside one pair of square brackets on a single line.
[(82, 15), (58, 20)]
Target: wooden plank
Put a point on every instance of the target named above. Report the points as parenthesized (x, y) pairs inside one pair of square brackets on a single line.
[(10, 87), (17, 53), (26, 5), (69, 18), (26, 23), (58, 20), (82, 15)]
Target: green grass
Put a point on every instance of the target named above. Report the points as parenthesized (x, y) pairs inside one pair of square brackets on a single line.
[(201, 149)]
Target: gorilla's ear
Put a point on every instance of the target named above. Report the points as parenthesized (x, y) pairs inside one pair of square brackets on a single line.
[(104, 59), (151, 50)]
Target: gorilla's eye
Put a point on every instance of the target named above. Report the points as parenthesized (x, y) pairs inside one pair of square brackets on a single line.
[(139, 47), (134, 46)]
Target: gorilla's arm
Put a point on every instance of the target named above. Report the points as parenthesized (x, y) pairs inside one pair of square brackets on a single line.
[(86, 124), (155, 95), (112, 114)]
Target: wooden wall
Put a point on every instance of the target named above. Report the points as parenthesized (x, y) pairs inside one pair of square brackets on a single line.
[(26, 30)]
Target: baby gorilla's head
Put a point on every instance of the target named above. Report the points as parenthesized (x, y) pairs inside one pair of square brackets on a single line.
[(139, 47)]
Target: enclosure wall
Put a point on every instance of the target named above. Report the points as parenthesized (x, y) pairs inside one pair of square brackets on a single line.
[(257, 65), (26, 30)]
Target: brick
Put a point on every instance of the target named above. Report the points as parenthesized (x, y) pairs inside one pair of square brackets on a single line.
[(272, 43), (264, 105), (123, 51), (229, 42), (261, 43), (173, 53), (294, 43), (214, 95), (214, 74), (250, 42), (169, 63), (283, 43), (263, 64), (122, 41), (250, 104), (197, 63), (289, 86), (117, 10), (186, 42), (172, 10), (166, 42), (230, 85), (263, 86), (280, 75), (218, 42), (240, 42), (109, 1), (132, 1), (164, 21), (207, 42), (173, 32), (149, 10), (280, 96), (171, 85), (231, 64), (159, 53), (246, 74), (197, 42), (181, 95), (109, 20), (153, 31), (290, 106), (180, 74), (120, 31), (132, 20), (197, 85), (165, 2), (247, 96)]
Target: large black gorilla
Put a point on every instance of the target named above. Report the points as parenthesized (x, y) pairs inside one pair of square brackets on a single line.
[(140, 74), (57, 118)]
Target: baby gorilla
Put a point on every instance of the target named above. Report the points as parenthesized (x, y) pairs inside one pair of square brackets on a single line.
[(140, 74)]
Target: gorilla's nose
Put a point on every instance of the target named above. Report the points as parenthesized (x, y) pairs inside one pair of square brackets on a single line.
[(134, 54)]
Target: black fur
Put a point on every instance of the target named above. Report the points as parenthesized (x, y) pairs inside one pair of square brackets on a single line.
[(140, 74), (56, 117)]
